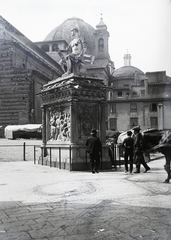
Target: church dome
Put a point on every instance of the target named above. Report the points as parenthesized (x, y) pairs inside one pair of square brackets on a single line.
[(63, 32), (127, 72)]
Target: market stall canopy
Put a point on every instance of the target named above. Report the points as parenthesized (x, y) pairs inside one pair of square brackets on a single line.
[(111, 136), (27, 128)]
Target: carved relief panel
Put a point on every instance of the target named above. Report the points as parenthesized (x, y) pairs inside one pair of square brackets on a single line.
[(59, 123), (88, 119)]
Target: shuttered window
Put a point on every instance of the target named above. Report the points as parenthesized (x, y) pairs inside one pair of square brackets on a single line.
[(113, 123)]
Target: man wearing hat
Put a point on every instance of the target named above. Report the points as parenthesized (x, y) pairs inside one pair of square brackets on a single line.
[(138, 151), (128, 144), (94, 148)]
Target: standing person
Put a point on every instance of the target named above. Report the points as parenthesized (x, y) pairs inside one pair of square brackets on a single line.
[(111, 151), (94, 148), (128, 144), (138, 151)]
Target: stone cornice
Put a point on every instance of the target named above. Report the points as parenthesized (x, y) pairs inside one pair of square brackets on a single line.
[(73, 87), (127, 100), (159, 83)]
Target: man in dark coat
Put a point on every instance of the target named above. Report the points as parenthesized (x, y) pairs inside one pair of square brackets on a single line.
[(94, 148), (128, 144), (138, 151)]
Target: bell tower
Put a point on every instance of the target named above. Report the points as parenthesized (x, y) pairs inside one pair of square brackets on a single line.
[(101, 40)]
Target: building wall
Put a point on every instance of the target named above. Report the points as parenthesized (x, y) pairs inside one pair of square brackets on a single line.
[(21, 78), (15, 97), (156, 92), (154, 77), (18, 100), (35, 110), (167, 114), (124, 116)]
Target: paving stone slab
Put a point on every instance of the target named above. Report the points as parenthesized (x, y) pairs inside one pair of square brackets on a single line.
[(43, 203)]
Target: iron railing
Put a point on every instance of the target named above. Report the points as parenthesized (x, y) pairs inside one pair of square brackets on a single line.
[(19, 152), (115, 153), (36, 154)]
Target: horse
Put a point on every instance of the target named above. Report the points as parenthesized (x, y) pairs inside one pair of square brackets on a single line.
[(164, 147)]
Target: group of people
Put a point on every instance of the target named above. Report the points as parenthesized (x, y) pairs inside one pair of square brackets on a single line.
[(133, 146), (134, 151)]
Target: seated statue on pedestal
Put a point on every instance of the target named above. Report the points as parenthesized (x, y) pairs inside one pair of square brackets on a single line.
[(73, 62)]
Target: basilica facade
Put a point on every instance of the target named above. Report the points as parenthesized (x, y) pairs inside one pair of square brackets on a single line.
[(134, 98)]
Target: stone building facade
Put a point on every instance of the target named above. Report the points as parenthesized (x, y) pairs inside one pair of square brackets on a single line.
[(139, 99), (24, 69)]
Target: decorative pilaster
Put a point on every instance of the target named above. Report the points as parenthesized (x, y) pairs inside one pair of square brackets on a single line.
[(44, 125), (47, 125), (103, 122), (73, 122), (160, 116)]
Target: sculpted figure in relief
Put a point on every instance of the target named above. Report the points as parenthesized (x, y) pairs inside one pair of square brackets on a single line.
[(59, 126)]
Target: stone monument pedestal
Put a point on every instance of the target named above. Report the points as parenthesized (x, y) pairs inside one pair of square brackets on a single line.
[(71, 107)]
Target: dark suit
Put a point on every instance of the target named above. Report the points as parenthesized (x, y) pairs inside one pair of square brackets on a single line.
[(138, 153), (94, 148), (128, 144)]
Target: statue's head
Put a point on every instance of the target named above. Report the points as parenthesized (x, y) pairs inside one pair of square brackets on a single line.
[(74, 31)]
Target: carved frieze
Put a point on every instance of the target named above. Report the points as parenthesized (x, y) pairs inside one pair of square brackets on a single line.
[(80, 88)]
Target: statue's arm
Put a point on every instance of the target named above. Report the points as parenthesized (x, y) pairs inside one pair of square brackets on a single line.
[(69, 49)]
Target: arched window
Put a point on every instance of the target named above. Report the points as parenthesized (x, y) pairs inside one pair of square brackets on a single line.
[(45, 48), (101, 45)]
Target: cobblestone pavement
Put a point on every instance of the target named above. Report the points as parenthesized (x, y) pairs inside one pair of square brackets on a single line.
[(39, 202)]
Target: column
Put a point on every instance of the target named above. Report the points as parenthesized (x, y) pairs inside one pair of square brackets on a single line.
[(47, 125), (102, 121), (160, 116), (50, 47), (44, 129)]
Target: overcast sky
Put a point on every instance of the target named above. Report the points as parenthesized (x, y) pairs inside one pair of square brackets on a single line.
[(141, 27)]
